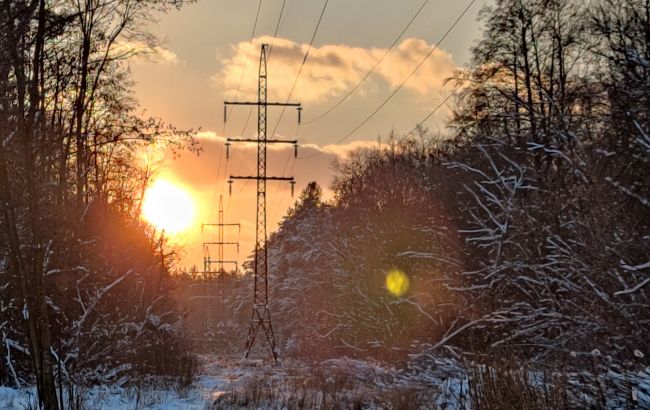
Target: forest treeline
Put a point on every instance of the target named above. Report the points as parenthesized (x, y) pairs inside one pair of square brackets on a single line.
[(524, 236), (83, 282)]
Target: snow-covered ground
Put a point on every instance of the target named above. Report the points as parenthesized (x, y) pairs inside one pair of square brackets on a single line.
[(113, 397), (214, 378), (231, 383), (219, 379)]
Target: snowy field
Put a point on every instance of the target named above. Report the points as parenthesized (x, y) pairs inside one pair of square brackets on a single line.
[(427, 382), (216, 377), (220, 383)]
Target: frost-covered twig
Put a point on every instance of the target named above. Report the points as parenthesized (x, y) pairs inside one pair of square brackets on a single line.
[(634, 289)]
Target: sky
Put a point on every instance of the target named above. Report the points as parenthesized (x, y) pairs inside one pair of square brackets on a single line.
[(209, 53)]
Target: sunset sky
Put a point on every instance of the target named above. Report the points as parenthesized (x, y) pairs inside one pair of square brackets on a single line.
[(206, 47)]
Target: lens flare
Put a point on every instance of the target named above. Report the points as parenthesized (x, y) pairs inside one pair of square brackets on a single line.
[(397, 282), (168, 206)]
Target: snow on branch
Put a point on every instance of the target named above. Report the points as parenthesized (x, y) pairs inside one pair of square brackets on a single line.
[(634, 289), (98, 296), (644, 201), (636, 268)]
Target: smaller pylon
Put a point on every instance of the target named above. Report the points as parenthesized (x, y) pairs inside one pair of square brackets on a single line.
[(220, 243), (209, 274)]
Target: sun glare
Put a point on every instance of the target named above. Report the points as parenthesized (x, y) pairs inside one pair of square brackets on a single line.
[(168, 206), (397, 282)]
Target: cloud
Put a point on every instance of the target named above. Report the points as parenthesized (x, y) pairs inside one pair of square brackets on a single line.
[(166, 55), (331, 151), (332, 69), (338, 152), (209, 136), (142, 51)]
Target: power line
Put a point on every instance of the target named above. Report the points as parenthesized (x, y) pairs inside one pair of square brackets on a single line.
[(417, 67), (284, 168), (257, 17), (430, 114), (241, 77), (250, 111), (277, 27), (365, 77), (275, 34), (216, 186), (302, 65), (399, 87)]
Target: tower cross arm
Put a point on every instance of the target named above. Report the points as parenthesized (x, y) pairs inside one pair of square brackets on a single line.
[(275, 104), (220, 225), (211, 261), (262, 178), (274, 141)]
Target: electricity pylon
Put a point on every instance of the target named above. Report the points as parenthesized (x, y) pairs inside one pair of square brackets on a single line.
[(220, 262), (261, 315), (220, 243)]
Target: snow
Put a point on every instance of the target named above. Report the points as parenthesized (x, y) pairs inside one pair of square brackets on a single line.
[(442, 380), (215, 378), (14, 398), (633, 289), (113, 397)]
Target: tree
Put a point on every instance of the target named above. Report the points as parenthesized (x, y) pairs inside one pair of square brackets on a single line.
[(51, 51), (549, 252)]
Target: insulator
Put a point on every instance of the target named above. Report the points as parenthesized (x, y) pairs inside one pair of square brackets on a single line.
[(299, 114), (295, 150), (237, 247), (230, 187), (225, 114), (227, 150), (293, 184)]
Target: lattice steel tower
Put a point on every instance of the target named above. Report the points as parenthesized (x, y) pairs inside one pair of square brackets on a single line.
[(261, 315), (209, 274), (220, 243)]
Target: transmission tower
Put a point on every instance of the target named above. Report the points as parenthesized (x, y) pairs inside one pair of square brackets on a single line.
[(208, 262), (261, 315)]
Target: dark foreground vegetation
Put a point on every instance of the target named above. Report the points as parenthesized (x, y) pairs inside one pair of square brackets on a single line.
[(484, 388), (523, 237), (83, 286)]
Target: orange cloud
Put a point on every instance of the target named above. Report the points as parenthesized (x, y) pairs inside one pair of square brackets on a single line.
[(332, 68)]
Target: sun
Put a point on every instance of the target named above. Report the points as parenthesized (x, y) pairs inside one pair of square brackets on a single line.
[(168, 207)]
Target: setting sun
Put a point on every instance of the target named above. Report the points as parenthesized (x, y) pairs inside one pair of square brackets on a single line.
[(168, 207)]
